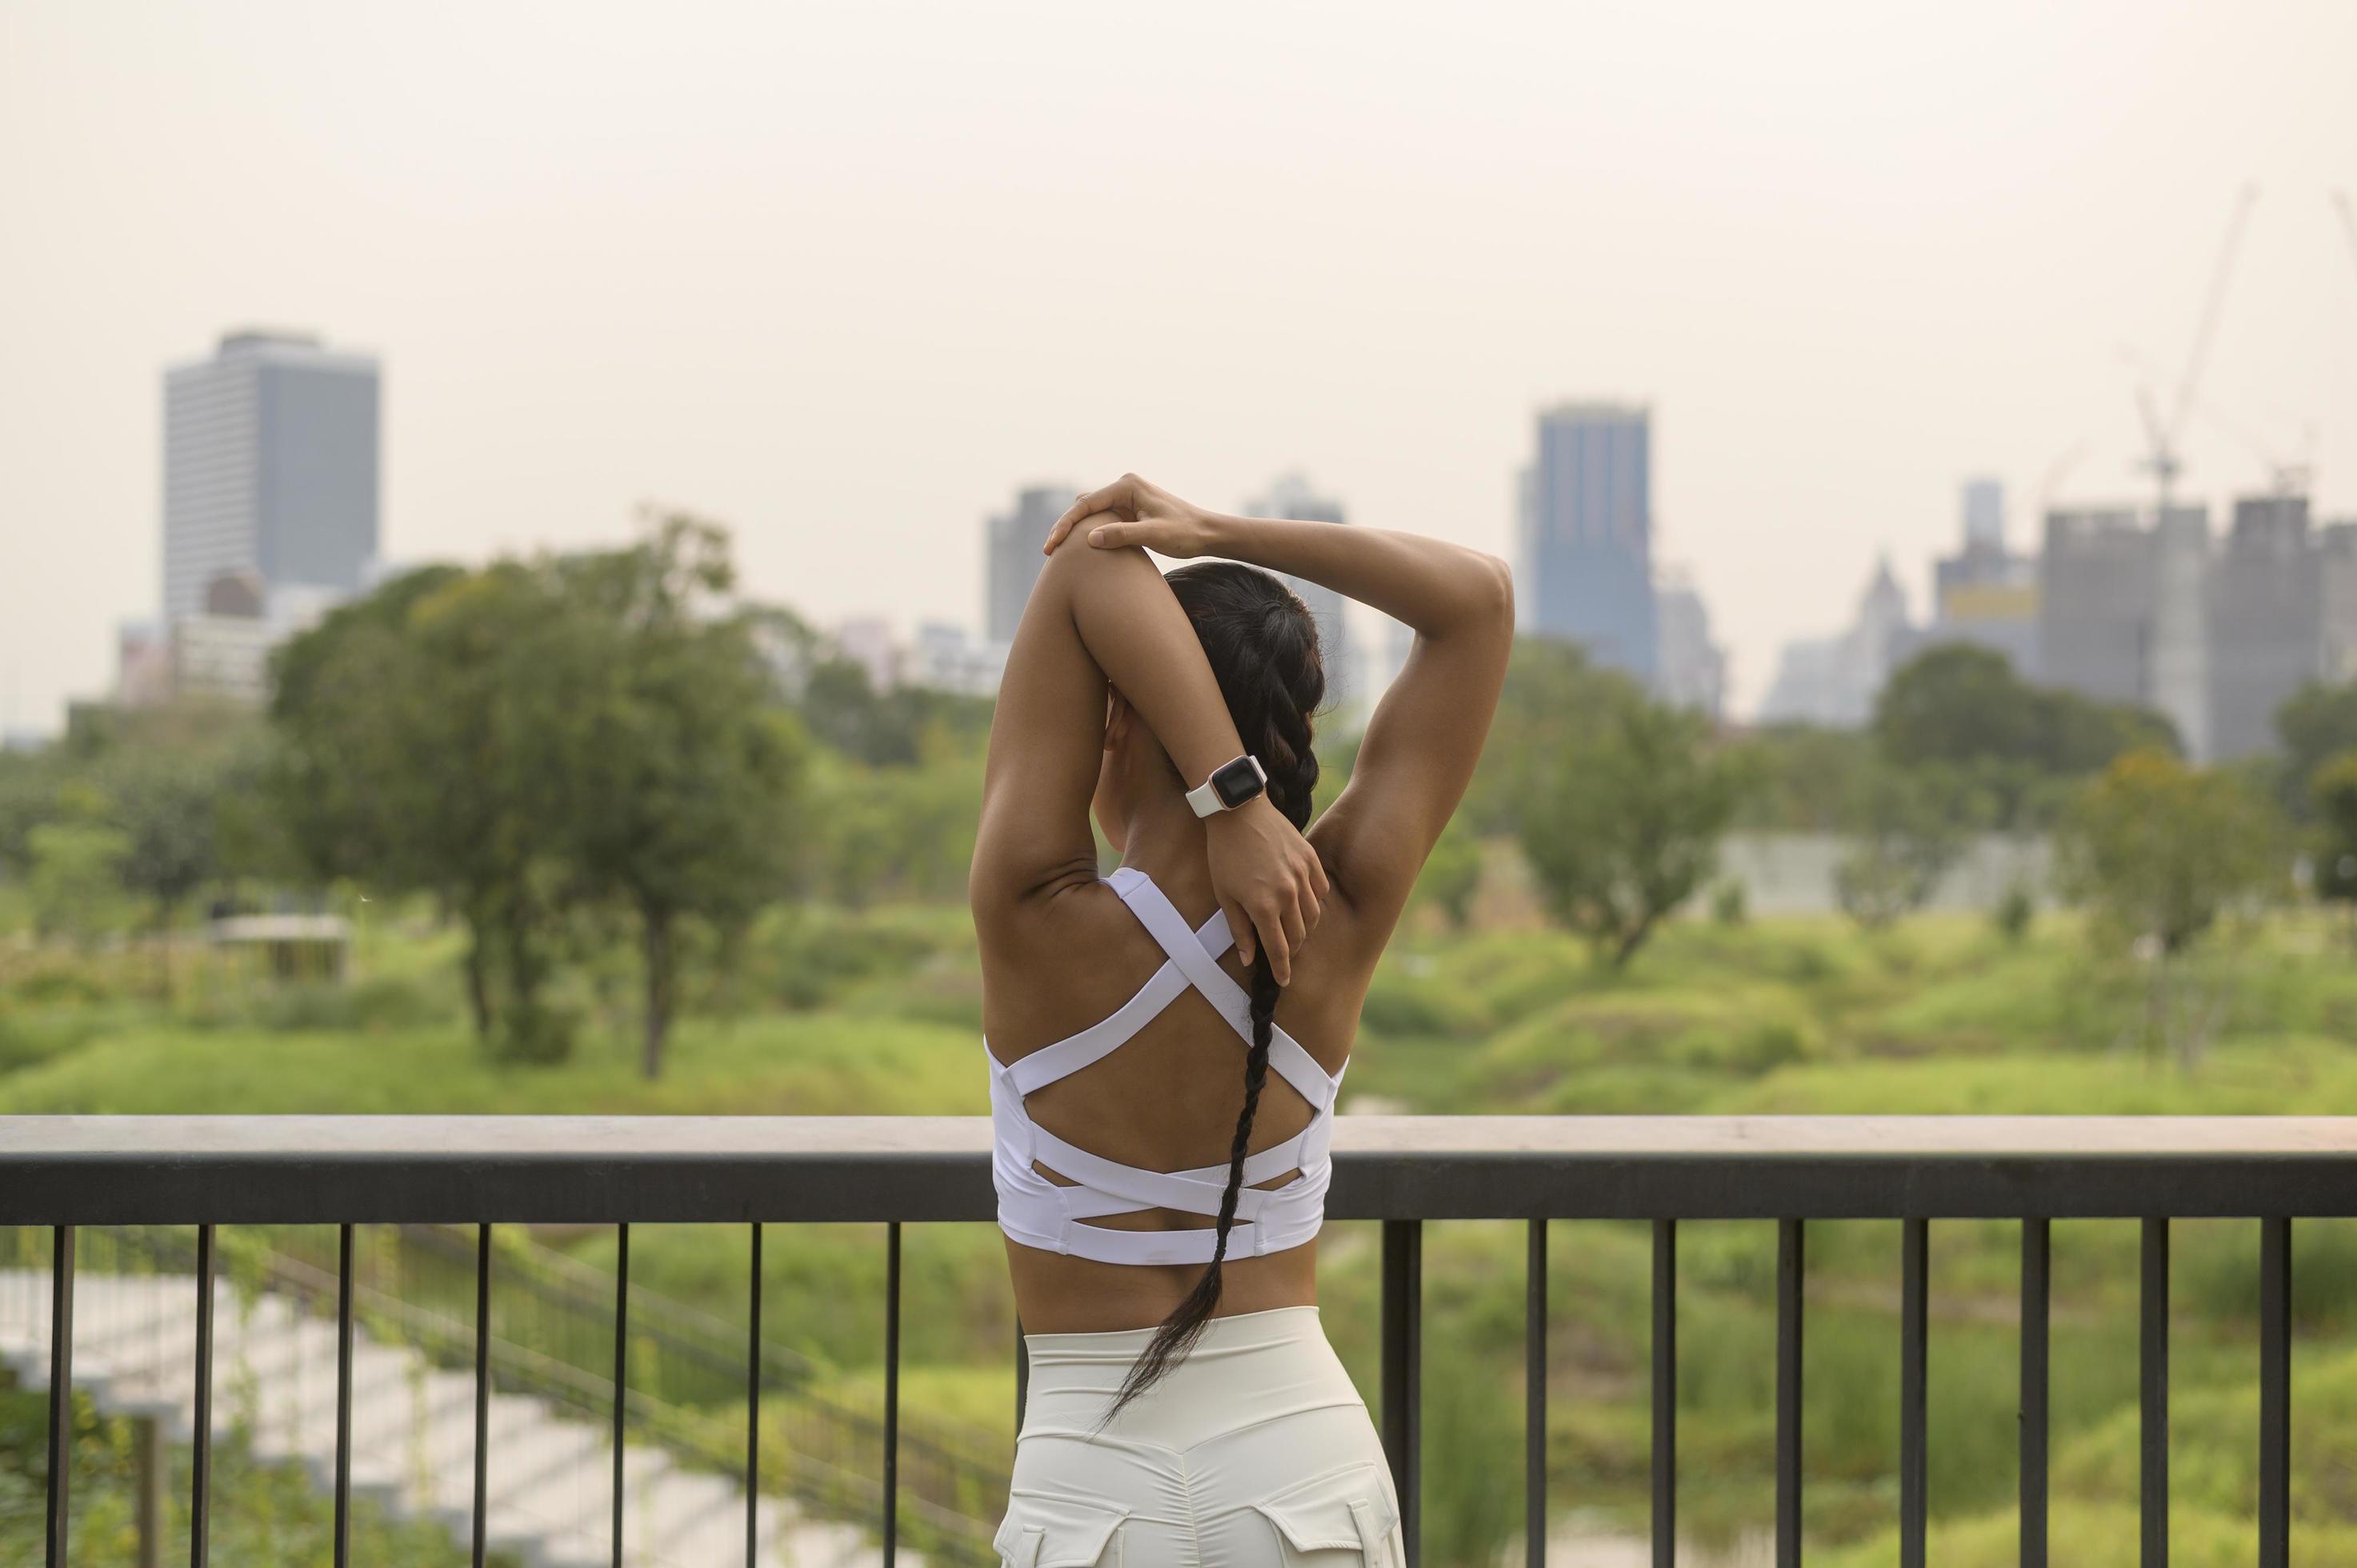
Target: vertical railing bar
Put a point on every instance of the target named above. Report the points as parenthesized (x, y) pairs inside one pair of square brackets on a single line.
[(1534, 1406), (2154, 1392), (1403, 1331), (343, 1544), (482, 1388), (2037, 1252), (2274, 1391), (1914, 1474), (200, 1453), (621, 1367), (61, 1328), (753, 1410), (1790, 1277), (891, 1394), (1665, 1393)]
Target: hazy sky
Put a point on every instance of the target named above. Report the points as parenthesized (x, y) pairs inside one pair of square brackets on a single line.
[(845, 275)]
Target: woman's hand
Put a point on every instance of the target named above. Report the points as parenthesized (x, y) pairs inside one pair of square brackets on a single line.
[(1268, 881), (1145, 514)]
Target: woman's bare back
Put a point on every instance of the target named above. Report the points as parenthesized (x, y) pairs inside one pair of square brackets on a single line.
[(1165, 1100)]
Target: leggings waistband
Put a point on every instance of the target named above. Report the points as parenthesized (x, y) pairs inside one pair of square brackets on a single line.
[(1240, 1331), (1246, 1369)]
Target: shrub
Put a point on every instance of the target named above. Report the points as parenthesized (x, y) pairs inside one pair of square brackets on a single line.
[(1731, 904), (1404, 1005), (380, 1002), (2014, 913), (807, 959)]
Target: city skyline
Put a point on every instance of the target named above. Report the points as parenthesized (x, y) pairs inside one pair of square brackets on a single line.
[(1846, 258)]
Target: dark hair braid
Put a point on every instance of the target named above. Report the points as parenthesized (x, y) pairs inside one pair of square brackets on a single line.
[(1263, 646)]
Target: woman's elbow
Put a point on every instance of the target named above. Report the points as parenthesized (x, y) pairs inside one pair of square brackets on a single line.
[(1490, 591)]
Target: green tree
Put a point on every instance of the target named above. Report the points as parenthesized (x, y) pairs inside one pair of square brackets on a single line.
[(897, 727), (540, 741), (1914, 827), (2158, 852), (1957, 704), (28, 797), (1963, 708), (1619, 801), (2316, 724), (76, 878), (2332, 799), (905, 831), (166, 793), (420, 734), (1804, 778), (2015, 911), (685, 773)]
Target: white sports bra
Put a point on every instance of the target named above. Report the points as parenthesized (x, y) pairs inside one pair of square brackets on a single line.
[(1044, 1214)]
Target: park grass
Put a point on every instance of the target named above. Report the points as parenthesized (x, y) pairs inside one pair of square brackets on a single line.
[(879, 1013), (816, 1065)]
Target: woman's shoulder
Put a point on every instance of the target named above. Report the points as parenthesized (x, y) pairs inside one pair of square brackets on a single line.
[(1053, 966), (1057, 922)]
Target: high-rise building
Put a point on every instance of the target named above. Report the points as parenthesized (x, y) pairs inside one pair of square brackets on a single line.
[(2181, 675), (2266, 621), (1985, 593), (2095, 600), (2212, 636), (1691, 672), (2336, 545), (1587, 569), (1983, 515), (1011, 556), (1290, 496), (270, 468)]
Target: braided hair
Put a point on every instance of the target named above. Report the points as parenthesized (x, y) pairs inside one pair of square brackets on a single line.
[(1263, 646)]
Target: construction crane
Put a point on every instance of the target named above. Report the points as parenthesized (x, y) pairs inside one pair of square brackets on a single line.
[(2162, 460), (2286, 476)]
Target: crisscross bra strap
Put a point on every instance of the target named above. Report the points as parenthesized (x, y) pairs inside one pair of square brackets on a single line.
[(1169, 931), (1041, 1213), (1100, 1039)]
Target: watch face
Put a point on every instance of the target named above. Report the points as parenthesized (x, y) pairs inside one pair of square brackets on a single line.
[(1237, 782)]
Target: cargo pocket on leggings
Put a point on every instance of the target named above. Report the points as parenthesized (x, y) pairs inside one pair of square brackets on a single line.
[(1058, 1533), (1337, 1520)]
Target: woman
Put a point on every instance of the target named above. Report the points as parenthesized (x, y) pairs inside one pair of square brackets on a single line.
[(1167, 1044)]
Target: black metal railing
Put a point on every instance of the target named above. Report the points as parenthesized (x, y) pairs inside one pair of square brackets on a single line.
[(65, 1173), (409, 1291)]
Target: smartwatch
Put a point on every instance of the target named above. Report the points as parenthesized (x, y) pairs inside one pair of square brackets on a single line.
[(1230, 785)]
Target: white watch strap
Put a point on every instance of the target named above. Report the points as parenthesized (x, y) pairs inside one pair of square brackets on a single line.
[(1206, 800)]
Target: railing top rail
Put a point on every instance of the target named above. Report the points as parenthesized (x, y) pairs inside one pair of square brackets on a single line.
[(315, 1169)]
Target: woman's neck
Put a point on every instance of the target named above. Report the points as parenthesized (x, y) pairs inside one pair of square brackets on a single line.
[(1165, 839)]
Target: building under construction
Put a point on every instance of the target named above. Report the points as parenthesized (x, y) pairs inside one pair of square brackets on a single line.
[(2213, 635)]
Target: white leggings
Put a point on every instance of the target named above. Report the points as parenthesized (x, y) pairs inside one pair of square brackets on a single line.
[(1255, 1452)]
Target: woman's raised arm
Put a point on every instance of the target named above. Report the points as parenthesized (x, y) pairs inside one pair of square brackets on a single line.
[(1427, 734), (1099, 619)]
